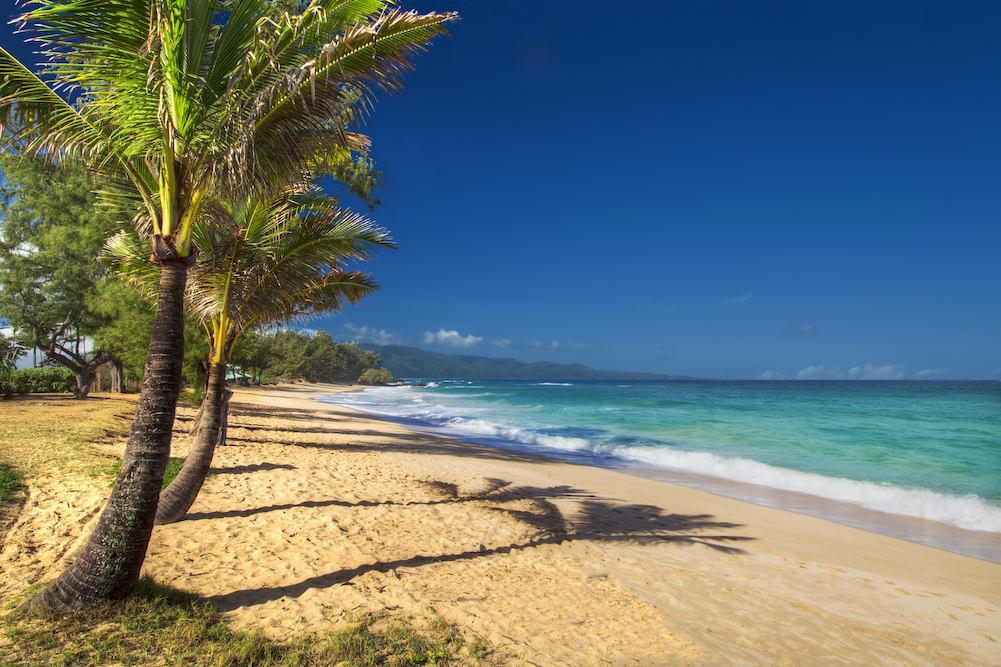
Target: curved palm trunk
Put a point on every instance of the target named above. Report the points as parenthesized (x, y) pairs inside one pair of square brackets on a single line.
[(178, 497), (108, 567)]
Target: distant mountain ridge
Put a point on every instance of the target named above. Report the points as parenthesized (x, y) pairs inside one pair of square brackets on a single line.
[(412, 362)]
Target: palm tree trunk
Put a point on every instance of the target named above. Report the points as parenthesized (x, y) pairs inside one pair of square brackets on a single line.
[(178, 497), (108, 566)]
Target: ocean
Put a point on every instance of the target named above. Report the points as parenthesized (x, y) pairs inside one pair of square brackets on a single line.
[(916, 460)]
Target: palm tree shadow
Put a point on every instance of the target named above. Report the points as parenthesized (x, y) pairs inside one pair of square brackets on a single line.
[(592, 519), (255, 467)]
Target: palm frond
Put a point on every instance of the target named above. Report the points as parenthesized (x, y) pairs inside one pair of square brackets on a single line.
[(329, 294), (285, 260), (33, 115), (294, 116), (128, 256)]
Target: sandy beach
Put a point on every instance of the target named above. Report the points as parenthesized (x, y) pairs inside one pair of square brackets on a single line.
[(317, 514)]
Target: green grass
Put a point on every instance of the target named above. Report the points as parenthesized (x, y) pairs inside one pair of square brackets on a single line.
[(10, 482), (49, 432), (193, 396), (159, 625), (173, 467)]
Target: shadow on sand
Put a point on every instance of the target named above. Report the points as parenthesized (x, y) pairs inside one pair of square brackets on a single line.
[(591, 519)]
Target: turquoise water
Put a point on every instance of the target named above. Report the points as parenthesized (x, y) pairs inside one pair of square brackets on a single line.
[(918, 449)]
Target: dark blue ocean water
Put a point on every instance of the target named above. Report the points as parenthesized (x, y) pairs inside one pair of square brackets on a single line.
[(918, 449)]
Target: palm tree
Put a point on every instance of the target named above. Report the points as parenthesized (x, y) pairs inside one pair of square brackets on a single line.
[(190, 104), (282, 261)]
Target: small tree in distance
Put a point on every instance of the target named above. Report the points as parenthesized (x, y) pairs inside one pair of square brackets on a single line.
[(376, 376)]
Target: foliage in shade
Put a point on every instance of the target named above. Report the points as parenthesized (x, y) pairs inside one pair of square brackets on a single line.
[(51, 234), (45, 380)]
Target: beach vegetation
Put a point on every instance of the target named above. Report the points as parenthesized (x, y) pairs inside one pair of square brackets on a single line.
[(10, 481), (54, 432), (56, 295), (51, 234), (376, 376), (287, 356), (173, 467), (160, 625), (42, 380), (186, 103)]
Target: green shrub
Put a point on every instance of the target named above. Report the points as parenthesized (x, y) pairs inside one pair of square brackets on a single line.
[(376, 376), (46, 380), (194, 396)]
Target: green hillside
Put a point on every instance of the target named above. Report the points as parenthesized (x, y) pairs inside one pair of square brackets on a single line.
[(411, 362)]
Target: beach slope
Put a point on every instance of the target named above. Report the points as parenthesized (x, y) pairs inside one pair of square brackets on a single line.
[(317, 514)]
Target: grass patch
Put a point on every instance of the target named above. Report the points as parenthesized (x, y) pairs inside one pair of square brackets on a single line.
[(173, 467), (45, 432), (193, 396), (159, 625), (10, 482)]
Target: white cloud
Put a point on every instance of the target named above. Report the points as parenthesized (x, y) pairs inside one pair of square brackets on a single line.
[(771, 375), (867, 372), (451, 338), (870, 372), (560, 345), (820, 373), (370, 335), (929, 372), (737, 300), (502, 342)]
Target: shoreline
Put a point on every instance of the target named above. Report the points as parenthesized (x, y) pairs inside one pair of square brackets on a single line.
[(650, 491), (983, 545), (318, 517), (560, 563)]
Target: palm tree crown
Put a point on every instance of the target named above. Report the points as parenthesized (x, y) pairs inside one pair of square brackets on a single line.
[(188, 101)]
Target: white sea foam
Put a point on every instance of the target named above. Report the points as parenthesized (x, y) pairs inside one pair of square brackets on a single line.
[(969, 512)]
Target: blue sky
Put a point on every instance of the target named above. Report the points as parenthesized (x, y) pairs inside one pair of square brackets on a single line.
[(716, 188)]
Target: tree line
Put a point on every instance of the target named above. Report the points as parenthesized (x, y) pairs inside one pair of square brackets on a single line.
[(60, 297)]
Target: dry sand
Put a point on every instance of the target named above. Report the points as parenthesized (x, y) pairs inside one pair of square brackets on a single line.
[(317, 514)]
